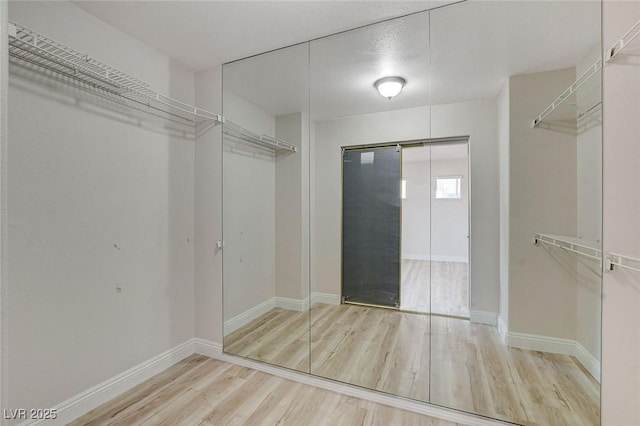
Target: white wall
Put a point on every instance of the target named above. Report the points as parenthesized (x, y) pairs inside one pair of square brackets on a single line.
[(476, 119), (434, 229), (450, 218), (542, 198), (621, 298), (416, 208), (292, 209), (208, 212), (82, 183)]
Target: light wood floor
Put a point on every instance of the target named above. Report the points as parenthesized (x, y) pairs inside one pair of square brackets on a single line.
[(445, 361), (437, 287), (204, 391)]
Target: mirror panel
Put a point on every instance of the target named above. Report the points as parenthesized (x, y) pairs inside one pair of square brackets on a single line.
[(266, 207), (498, 315), (359, 333), (530, 352)]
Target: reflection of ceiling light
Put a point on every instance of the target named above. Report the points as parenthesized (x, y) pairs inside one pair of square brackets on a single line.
[(390, 86)]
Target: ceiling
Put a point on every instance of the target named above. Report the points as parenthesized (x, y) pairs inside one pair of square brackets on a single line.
[(203, 34), (457, 53)]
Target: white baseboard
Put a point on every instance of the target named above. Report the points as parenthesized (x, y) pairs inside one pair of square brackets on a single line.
[(588, 361), (249, 315), (483, 317), (534, 342), (86, 401), (326, 298), (435, 258), (292, 304), (502, 329), (555, 345), (208, 348), (298, 305)]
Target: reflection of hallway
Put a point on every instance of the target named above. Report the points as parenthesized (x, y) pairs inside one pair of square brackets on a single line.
[(446, 361), (435, 287)]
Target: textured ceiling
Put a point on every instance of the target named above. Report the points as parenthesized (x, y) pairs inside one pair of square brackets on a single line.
[(456, 53), (202, 34)]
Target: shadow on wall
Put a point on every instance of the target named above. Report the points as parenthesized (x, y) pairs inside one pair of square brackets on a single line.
[(106, 103)]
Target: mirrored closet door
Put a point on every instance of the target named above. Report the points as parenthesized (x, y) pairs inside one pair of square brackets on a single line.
[(522, 81), (414, 207), (359, 332), (266, 207)]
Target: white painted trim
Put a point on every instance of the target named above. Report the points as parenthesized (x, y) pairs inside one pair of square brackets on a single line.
[(534, 342), (435, 258), (207, 348), (249, 315), (555, 345), (298, 305), (292, 304), (483, 317), (326, 298), (588, 361), (86, 401), (358, 392), (502, 329)]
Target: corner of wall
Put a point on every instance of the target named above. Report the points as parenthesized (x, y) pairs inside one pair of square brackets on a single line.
[(208, 211)]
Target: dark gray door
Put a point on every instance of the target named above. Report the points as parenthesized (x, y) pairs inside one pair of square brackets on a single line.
[(371, 226)]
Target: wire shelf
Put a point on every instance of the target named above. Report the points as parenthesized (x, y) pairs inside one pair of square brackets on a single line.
[(27, 47), (568, 93), (571, 244), (277, 145), (624, 43), (622, 261)]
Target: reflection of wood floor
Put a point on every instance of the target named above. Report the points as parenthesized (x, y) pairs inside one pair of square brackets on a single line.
[(204, 391), (446, 361), (438, 287)]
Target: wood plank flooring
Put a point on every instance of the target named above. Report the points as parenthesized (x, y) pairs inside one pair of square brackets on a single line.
[(435, 287), (445, 361), (204, 391)]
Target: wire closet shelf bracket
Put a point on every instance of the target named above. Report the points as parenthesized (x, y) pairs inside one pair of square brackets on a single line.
[(624, 42), (236, 131), (571, 90), (571, 244), (614, 260), (28, 46)]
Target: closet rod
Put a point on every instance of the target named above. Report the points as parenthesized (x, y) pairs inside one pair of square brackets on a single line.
[(590, 72), (623, 43), (622, 261), (570, 244), (28, 46)]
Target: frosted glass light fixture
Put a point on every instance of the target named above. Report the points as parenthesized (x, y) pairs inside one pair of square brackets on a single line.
[(390, 86)]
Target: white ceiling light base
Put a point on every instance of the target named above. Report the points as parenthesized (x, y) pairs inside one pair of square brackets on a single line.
[(390, 86)]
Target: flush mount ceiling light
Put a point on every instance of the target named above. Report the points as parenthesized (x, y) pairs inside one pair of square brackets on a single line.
[(390, 86)]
